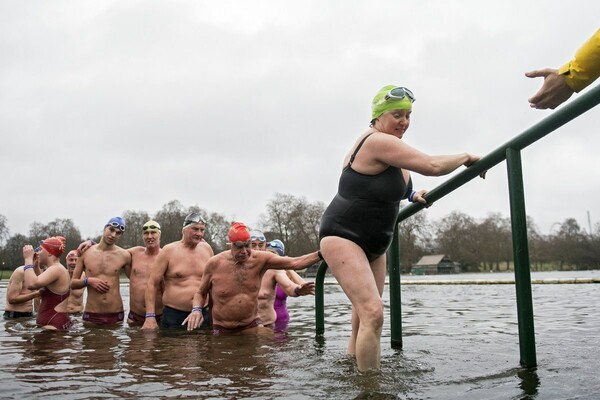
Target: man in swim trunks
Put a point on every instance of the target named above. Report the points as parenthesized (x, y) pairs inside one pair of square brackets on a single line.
[(179, 267), (142, 258), (19, 302), (53, 283), (102, 264), (232, 280), (75, 300)]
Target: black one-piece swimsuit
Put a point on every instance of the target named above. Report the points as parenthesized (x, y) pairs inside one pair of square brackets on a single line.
[(366, 207)]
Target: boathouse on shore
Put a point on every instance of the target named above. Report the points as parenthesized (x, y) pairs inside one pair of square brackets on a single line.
[(435, 264)]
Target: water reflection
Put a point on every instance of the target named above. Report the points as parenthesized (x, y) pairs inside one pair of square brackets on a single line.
[(530, 382), (459, 342)]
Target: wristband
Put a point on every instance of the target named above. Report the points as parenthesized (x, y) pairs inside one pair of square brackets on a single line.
[(296, 289), (85, 281), (411, 196), (320, 255), (199, 309), (92, 242), (28, 266), (151, 315)]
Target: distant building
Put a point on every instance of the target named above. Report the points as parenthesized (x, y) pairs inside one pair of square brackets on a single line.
[(435, 264)]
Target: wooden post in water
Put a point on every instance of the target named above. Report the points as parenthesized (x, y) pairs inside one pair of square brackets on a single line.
[(521, 258)]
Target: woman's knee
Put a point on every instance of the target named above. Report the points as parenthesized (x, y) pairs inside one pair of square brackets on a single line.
[(371, 314)]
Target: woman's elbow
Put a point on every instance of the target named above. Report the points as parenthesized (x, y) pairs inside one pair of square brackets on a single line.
[(432, 168)]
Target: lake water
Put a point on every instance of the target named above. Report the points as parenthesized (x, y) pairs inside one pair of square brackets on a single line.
[(460, 341)]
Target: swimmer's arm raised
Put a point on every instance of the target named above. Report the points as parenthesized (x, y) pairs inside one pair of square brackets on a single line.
[(277, 262), (292, 288)]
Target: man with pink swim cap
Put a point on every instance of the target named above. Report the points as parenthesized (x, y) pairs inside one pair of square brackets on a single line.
[(75, 300), (231, 283)]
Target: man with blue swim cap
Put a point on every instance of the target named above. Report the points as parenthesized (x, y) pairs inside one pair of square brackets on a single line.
[(103, 263), (275, 287)]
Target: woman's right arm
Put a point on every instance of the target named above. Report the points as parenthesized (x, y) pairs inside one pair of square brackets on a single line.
[(392, 151)]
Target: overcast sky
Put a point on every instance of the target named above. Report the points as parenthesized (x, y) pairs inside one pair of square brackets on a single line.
[(108, 106)]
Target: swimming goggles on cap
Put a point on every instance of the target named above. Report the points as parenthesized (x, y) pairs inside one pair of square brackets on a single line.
[(193, 218), (151, 227), (399, 93), (116, 225), (275, 244)]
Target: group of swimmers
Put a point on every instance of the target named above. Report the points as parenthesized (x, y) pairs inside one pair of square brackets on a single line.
[(183, 285)]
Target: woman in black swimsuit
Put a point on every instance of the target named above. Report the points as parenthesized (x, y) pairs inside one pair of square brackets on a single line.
[(358, 224)]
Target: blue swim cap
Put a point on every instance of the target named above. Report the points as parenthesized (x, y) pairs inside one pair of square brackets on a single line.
[(116, 222), (276, 245)]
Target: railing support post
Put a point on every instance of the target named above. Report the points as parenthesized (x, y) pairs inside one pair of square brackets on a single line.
[(521, 259), (393, 263), (320, 298)]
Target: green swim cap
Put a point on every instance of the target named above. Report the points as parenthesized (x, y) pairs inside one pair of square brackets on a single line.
[(380, 105)]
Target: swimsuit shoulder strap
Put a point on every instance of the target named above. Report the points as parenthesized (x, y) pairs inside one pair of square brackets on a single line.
[(357, 149)]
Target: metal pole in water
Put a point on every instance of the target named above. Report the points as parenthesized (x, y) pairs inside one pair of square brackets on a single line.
[(521, 259), (320, 298), (393, 262)]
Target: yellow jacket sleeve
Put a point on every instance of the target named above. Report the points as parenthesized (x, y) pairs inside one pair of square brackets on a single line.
[(584, 68)]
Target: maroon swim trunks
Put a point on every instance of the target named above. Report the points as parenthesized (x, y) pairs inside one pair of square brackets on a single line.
[(221, 330), (103, 318), (59, 320)]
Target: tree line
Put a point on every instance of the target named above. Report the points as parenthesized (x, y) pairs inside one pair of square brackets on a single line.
[(478, 245)]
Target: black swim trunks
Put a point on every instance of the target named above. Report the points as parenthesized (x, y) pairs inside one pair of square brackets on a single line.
[(366, 207), (17, 314), (173, 318)]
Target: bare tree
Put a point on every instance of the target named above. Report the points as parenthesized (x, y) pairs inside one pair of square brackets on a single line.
[(415, 236), (217, 227), (295, 221), (59, 227), (12, 256), (171, 218), (494, 241), (4, 231), (457, 237), (134, 220)]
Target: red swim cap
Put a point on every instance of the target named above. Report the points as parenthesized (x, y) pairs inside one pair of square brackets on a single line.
[(54, 245), (238, 232)]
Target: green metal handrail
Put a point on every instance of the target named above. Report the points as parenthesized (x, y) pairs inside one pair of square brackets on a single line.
[(509, 151)]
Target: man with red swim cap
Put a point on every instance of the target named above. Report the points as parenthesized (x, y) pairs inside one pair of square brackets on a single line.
[(53, 283), (232, 280), (180, 267)]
